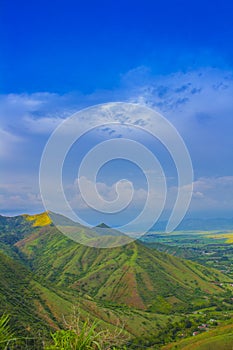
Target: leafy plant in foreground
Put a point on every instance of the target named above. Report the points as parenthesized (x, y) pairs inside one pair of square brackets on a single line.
[(85, 336), (6, 335), (86, 339)]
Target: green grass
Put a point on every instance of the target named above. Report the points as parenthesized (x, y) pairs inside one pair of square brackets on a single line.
[(85, 338)]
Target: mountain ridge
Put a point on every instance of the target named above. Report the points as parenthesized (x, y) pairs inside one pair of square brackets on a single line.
[(131, 285), (116, 270)]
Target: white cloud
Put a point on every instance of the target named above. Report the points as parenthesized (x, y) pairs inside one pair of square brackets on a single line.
[(185, 98), (199, 103), (212, 193), (209, 194), (21, 195), (106, 192), (8, 142), (42, 125)]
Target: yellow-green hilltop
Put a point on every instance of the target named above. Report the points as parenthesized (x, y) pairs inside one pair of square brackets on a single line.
[(40, 220)]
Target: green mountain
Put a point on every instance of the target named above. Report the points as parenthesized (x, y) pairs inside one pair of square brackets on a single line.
[(132, 275), (131, 285), (49, 303)]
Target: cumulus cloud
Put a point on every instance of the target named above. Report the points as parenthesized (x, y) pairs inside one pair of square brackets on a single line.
[(199, 96), (211, 196), (107, 194), (200, 105)]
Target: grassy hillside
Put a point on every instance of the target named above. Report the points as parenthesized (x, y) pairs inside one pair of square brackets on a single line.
[(130, 286), (220, 339), (35, 302), (36, 307), (21, 297), (13, 228), (131, 275)]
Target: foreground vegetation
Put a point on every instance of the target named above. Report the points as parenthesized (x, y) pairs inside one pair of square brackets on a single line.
[(86, 336), (77, 336)]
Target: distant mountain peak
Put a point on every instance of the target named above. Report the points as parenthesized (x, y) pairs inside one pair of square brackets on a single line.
[(103, 225)]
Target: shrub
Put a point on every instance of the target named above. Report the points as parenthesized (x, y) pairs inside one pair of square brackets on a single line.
[(85, 336), (70, 339)]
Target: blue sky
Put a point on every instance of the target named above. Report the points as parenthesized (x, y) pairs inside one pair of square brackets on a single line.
[(174, 56), (68, 45)]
